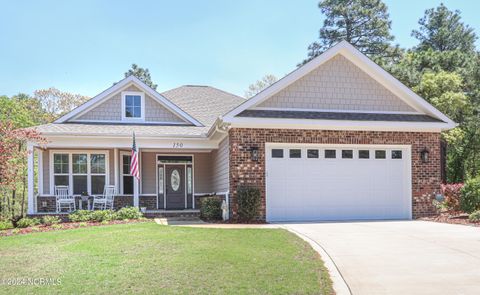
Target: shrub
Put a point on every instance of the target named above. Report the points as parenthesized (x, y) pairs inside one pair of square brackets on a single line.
[(27, 222), (211, 208), (475, 216), (129, 213), (5, 225), (57, 226), (249, 201), (103, 215), (80, 215), (470, 198), (50, 220), (452, 193)]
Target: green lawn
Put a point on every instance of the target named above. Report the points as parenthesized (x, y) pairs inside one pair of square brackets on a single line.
[(149, 258)]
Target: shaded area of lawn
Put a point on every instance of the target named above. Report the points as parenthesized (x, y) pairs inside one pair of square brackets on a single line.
[(149, 258)]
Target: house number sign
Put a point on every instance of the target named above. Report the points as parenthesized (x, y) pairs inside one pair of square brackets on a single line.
[(178, 145)]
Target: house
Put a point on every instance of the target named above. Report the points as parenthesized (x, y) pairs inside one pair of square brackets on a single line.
[(338, 138)]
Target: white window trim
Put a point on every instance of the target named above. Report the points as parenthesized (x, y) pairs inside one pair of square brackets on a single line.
[(70, 168), (123, 153), (142, 106)]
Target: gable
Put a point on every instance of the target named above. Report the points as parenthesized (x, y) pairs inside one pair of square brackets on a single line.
[(330, 90), (337, 85), (113, 103), (111, 110)]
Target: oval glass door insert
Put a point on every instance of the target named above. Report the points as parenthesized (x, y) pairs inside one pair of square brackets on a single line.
[(175, 180)]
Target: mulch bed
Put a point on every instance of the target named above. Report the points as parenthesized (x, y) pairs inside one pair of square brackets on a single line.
[(64, 226), (452, 218)]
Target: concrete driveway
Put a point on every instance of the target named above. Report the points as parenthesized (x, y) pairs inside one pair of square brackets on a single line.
[(401, 257)]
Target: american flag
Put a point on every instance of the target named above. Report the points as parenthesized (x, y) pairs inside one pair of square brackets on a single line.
[(134, 163)]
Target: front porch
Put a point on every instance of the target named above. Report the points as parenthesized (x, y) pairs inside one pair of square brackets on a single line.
[(171, 182)]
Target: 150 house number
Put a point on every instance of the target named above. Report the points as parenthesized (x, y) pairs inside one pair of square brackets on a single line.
[(178, 145)]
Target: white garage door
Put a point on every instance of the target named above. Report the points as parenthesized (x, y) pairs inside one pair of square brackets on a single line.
[(340, 182)]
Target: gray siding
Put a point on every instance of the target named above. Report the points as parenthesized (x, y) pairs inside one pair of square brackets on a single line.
[(337, 85), (220, 166), (149, 173), (210, 170), (201, 173), (111, 110)]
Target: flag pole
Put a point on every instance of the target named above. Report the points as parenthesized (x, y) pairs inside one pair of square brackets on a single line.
[(135, 172)]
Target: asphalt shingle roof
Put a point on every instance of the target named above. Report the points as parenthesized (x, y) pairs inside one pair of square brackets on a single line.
[(336, 116), (204, 103)]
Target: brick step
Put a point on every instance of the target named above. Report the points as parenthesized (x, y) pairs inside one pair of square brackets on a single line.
[(179, 214)]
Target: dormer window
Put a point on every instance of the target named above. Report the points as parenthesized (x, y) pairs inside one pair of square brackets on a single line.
[(133, 106)]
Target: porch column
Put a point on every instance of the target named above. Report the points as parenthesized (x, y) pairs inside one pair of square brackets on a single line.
[(116, 171), (40, 170), (136, 183), (30, 179)]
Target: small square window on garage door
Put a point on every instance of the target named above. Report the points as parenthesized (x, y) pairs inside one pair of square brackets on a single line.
[(380, 154), (312, 154), (396, 154), (295, 153), (330, 154), (364, 154), (277, 153), (347, 154)]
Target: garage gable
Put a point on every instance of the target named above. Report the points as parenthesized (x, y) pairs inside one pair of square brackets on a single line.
[(337, 90), (337, 85)]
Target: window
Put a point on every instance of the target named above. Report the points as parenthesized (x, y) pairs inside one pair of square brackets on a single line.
[(133, 106), (81, 171), (295, 153), (330, 154), (97, 171), (347, 154), (364, 154), (380, 154), (160, 180), (175, 159), (312, 154), (126, 178), (277, 153), (61, 169), (396, 154), (189, 180)]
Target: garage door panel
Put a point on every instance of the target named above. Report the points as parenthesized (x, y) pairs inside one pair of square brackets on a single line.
[(336, 189)]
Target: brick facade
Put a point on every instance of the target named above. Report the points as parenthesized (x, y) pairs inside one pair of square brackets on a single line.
[(50, 203), (426, 177)]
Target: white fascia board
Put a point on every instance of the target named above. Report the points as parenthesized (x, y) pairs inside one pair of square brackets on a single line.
[(118, 87), (240, 122), (167, 103), (285, 81), (95, 100), (83, 142), (391, 83)]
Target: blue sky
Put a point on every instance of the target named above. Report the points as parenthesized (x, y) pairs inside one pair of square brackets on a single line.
[(84, 46)]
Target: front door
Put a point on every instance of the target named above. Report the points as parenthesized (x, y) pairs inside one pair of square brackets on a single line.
[(175, 186)]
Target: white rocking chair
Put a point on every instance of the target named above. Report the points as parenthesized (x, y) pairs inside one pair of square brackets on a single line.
[(105, 201), (63, 199)]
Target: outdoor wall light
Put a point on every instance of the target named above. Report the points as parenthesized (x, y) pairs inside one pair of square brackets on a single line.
[(254, 153), (424, 155)]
